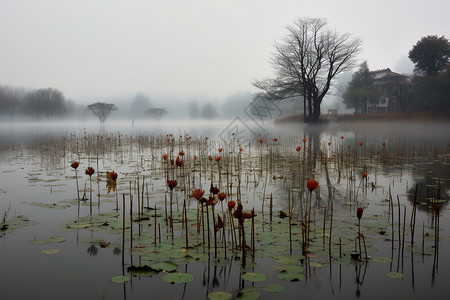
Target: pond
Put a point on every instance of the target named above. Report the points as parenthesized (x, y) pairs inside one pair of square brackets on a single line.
[(376, 225)]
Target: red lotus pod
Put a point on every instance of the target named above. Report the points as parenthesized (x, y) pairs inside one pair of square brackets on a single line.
[(195, 157), (312, 185), (181, 153), (304, 140), (298, 148), (179, 162), (231, 204), (221, 196), (359, 212), (261, 141), (172, 162), (329, 143), (240, 149), (220, 149), (89, 171), (361, 143), (75, 165), (214, 190), (217, 158), (364, 174), (342, 137), (198, 194), (275, 140), (383, 144), (210, 158), (172, 184)]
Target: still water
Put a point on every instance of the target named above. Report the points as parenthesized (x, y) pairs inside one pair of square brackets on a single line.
[(38, 184)]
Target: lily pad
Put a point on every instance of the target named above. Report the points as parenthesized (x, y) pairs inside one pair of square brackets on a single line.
[(120, 279), (178, 277), (219, 296), (248, 295), (288, 259), (290, 268), (288, 276), (395, 275), (273, 288), (165, 266), (144, 271), (50, 251), (255, 277), (54, 239), (382, 260)]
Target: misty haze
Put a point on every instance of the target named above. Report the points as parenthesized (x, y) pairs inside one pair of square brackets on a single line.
[(235, 150)]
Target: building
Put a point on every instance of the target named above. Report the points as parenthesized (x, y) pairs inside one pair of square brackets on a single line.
[(393, 93)]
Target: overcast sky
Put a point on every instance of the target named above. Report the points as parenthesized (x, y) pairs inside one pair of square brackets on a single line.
[(97, 49)]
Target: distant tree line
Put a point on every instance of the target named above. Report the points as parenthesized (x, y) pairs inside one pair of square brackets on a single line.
[(38, 104)]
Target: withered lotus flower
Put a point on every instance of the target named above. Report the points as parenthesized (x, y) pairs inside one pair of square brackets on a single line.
[(219, 224), (111, 180), (195, 157), (214, 190), (231, 204), (312, 185), (181, 153), (212, 201), (361, 143), (198, 194), (75, 165), (220, 149), (304, 140), (298, 148), (359, 212), (172, 184), (240, 149), (261, 141), (164, 156), (210, 158), (221, 196), (217, 158), (179, 162), (364, 174), (89, 171)]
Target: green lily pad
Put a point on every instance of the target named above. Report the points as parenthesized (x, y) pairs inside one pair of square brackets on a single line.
[(143, 271), (178, 277), (50, 251), (318, 264), (273, 288), (248, 295), (382, 260), (395, 275), (54, 239), (219, 296), (290, 268), (164, 266), (255, 277), (120, 279), (288, 259), (283, 275)]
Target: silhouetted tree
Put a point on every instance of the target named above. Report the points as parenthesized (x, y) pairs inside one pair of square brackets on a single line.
[(209, 112), (360, 89), (102, 110), (44, 102), (156, 113), (10, 100), (430, 55), (140, 104), (193, 109), (306, 61)]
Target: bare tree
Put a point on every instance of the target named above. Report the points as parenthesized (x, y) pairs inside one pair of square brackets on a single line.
[(306, 61), (102, 110), (47, 102), (10, 100)]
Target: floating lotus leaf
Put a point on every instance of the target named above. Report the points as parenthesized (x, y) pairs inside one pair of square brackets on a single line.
[(290, 268), (120, 279), (288, 259), (288, 276), (273, 248), (318, 264), (248, 294), (273, 288), (255, 277), (219, 296), (55, 239), (50, 251), (178, 277), (382, 260), (142, 271), (165, 266), (395, 275)]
